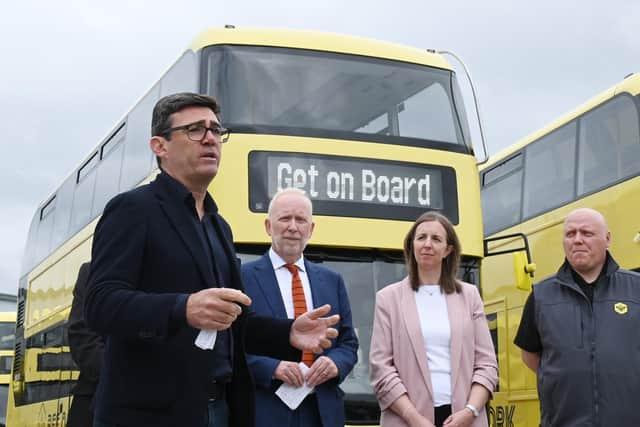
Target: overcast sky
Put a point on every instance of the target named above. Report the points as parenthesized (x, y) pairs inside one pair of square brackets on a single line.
[(72, 68)]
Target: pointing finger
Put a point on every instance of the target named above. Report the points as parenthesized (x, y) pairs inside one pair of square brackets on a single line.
[(319, 312), (333, 320)]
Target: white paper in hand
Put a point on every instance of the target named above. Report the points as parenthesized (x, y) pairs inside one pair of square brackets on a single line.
[(293, 396), (206, 339)]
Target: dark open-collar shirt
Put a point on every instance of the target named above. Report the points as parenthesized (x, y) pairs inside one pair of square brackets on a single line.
[(218, 262)]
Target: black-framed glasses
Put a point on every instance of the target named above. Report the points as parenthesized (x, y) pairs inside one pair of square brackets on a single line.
[(197, 132)]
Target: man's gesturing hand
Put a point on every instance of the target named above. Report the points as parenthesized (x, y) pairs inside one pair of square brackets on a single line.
[(312, 332), (215, 308)]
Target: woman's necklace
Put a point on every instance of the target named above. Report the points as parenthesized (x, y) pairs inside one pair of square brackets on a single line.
[(431, 289)]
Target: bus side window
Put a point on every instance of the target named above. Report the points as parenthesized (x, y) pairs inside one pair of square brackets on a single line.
[(502, 195), (45, 228), (138, 159), (609, 144), (108, 180), (549, 171), (64, 200), (83, 196), (182, 77)]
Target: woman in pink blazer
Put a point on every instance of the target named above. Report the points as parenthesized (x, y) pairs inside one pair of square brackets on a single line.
[(432, 359)]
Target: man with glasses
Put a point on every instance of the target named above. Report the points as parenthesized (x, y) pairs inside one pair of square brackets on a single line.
[(163, 269)]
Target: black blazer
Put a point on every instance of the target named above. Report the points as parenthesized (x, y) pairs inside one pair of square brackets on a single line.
[(146, 255)]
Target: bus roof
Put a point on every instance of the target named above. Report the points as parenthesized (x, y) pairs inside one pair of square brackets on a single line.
[(314, 40), (631, 85)]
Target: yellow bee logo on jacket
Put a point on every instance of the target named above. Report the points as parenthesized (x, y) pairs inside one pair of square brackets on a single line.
[(620, 308)]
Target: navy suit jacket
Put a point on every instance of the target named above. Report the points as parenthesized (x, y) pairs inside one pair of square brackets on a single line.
[(146, 258), (327, 287)]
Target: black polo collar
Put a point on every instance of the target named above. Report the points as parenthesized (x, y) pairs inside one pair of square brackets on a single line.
[(178, 193)]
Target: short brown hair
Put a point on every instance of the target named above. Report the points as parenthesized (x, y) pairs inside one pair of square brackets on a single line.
[(450, 264)]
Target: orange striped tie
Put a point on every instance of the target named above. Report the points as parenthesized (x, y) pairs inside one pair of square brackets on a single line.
[(299, 304)]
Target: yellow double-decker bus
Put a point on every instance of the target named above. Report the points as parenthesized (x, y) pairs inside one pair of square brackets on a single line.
[(589, 157), (7, 335), (374, 132)]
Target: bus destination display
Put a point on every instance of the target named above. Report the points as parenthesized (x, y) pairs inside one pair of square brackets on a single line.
[(355, 187)]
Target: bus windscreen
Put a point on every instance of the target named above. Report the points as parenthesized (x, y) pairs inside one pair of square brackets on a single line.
[(305, 92)]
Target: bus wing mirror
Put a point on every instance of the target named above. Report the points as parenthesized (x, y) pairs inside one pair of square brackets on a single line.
[(523, 268), (523, 271)]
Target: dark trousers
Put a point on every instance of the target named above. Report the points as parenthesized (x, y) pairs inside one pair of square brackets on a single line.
[(98, 423), (80, 414), (218, 413), (307, 414), (441, 414)]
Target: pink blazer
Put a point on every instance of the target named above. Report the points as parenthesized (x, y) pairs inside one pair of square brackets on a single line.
[(399, 362)]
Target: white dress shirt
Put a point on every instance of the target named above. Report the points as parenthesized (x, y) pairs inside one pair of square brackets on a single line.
[(284, 278)]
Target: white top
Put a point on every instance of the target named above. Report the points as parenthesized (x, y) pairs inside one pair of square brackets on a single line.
[(284, 278), (434, 323)]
